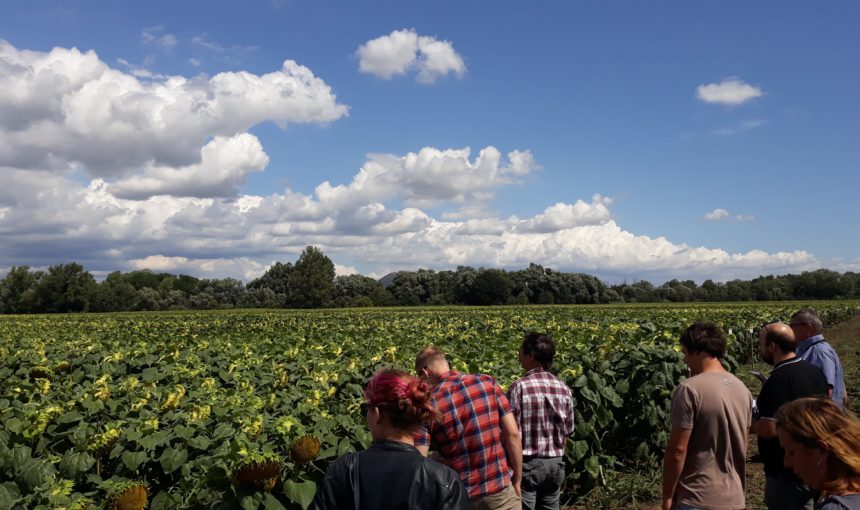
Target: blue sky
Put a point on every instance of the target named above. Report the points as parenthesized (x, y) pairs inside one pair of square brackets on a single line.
[(626, 139)]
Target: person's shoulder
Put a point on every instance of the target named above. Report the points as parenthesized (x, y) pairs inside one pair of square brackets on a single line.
[(845, 502), (342, 464), (803, 366), (485, 380), (485, 377), (548, 378)]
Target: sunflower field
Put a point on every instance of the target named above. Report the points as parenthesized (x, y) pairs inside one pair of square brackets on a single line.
[(246, 409)]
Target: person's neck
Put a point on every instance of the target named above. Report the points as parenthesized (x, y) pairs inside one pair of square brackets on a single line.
[(528, 367), (712, 365), (779, 357), (397, 436)]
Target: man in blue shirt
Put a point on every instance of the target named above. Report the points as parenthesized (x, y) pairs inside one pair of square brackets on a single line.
[(806, 325)]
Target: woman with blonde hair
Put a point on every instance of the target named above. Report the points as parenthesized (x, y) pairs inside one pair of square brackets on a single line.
[(822, 446)]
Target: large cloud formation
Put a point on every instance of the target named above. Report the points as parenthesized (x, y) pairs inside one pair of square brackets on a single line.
[(121, 172), (67, 107)]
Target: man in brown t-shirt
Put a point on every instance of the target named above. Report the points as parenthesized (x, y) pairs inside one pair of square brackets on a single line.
[(711, 414)]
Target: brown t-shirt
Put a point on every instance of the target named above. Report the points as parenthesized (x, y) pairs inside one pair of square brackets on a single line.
[(718, 408)]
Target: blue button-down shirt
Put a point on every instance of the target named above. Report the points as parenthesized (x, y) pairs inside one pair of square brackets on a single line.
[(821, 354)]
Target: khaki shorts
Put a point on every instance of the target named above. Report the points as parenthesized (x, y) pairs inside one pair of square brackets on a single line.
[(505, 499)]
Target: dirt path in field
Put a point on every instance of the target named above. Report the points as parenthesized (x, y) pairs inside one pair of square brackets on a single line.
[(845, 337)]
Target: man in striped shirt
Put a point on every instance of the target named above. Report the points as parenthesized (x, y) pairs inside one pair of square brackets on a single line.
[(544, 411)]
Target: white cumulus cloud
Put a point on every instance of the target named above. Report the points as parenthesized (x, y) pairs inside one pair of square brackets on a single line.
[(68, 109), (732, 91), (224, 164), (563, 216), (403, 51), (48, 214), (717, 214)]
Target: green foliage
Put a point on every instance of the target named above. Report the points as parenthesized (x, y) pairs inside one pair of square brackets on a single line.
[(179, 400)]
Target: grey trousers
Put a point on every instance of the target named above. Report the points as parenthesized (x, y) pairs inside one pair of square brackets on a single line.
[(542, 479), (783, 495)]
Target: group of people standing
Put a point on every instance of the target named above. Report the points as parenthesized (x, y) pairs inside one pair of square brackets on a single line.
[(799, 417), (497, 450), (492, 450)]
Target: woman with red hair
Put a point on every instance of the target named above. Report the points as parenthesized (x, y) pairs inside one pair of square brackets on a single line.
[(392, 473), (822, 445)]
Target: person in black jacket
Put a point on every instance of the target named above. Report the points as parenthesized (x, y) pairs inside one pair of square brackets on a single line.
[(392, 474)]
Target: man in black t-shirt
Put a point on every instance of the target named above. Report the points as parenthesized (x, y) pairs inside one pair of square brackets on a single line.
[(791, 378)]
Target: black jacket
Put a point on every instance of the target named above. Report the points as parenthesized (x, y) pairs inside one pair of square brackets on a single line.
[(390, 476)]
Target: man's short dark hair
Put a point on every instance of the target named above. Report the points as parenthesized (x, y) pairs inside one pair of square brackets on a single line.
[(705, 337), (540, 346), (786, 342)]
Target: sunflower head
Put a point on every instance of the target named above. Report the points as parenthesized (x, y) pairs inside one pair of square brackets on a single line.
[(305, 449), (258, 474), (101, 444), (40, 372), (130, 496), (81, 504), (62, 367)]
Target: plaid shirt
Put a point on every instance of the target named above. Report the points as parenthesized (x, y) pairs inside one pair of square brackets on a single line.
[(469, 435), (544, 411)]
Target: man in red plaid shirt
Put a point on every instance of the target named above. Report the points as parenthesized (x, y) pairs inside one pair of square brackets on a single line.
[(477, 434), (544, 411)]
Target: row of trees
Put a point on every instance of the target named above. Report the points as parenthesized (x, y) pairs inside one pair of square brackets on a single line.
[(310, 282)]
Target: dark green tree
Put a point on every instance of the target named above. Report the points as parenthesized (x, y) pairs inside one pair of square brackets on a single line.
[(66, 288), (312, 280), (114, 294), (491, 287), (18, 291), (277, 278)]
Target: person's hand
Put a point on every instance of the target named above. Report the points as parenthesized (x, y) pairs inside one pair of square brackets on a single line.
[(518, 489), (667, 504)]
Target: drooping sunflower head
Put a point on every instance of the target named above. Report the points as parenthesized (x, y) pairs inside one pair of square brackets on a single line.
[(101, 444), (128, 496), (41, 372), (305, 449), (260, 474), (81, 504)]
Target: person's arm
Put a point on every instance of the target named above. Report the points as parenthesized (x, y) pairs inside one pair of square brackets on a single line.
[(513, 448), (673, 463), (458, 497), (421, 438), (764, 427)]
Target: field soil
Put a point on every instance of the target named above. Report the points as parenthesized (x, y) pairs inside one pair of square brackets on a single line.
[(845, 337)]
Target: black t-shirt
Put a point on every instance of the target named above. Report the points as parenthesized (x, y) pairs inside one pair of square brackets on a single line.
[(790, 380)]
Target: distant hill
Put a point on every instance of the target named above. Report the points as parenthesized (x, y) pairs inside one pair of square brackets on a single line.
[(388, 279)]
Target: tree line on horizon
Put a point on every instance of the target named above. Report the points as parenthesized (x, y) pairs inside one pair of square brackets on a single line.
[(310, 282)]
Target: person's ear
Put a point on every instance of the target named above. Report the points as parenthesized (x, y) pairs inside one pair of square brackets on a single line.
[(376, 414)]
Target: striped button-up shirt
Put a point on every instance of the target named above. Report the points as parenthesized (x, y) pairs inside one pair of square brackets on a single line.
[(544, 410)]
